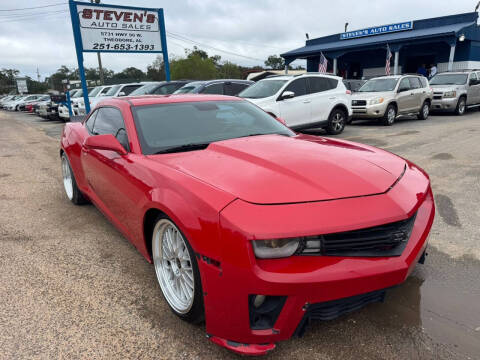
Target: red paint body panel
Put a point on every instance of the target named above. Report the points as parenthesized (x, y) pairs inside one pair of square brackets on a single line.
[(263, 187)]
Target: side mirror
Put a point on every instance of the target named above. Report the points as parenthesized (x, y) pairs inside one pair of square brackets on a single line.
[(473, 82), (403, 89), (121, 93), (104, 142), (287, 95), (280, 120)]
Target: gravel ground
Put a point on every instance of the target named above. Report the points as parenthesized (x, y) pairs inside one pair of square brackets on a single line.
[(72, 287)]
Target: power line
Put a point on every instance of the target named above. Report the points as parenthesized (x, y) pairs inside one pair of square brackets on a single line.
[(34, 14), (54, 13), (35, 7)]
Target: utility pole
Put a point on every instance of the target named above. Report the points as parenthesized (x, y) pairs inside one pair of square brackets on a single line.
[(346, 26), (100, 68), (38, 75)]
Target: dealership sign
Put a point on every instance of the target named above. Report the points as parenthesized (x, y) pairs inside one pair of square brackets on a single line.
[(22, 85), (116, 28), (378, 30)]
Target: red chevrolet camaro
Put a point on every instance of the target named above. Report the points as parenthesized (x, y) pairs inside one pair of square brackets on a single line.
[(250, 227)]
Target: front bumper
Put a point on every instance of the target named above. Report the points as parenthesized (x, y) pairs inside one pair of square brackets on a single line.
[(305, 280), (444, 104), (369, 111)]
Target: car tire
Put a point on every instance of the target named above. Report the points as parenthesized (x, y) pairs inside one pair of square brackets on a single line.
[(336, 122), (177, 271), (461, 106), (424, 111), (70, 184), (390, 115)]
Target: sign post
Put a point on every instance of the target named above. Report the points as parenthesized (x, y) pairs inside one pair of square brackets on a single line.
[(116, 29)]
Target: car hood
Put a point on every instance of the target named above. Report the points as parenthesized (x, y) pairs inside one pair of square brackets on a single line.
[(275, 169), (371, 95), (262, 101)]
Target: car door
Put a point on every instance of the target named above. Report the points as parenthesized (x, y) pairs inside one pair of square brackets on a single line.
[(405, 96), (473, 89), (234, 88), (416, 89), (167, 88), (323, 94), (107, 172), (297, 110), (127, 89)]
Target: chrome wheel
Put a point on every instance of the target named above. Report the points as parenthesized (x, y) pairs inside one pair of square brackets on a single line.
[(461, 107), (391, 115), (67, 177), (338, 121), (173, 266), (426, 110)]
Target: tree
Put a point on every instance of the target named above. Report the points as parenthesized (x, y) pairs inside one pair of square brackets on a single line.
[(156, 71), (36, 87), (195, 67), (7, 80), (131, 73), (229, 70), (275, 62)]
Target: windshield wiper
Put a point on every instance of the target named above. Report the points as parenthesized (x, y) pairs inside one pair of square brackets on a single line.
[(185, 147)]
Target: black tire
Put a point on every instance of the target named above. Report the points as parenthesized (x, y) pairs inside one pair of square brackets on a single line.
[(424, 111), (390, 115), (336, 122), (76, 195), (461, 106), (196, 313)]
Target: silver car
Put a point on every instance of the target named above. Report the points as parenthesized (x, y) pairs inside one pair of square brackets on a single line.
[(456, 91), (387, 97)]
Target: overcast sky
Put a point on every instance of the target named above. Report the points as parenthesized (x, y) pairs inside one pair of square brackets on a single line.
[(252, 28)]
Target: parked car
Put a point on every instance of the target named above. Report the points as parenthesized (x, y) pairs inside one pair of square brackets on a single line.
[(12, 102), (353, 84), (456, 91), (324, 229), (219, 87), (30, 107), (387, 97), (159, 88), (6, 99), (115, 91), (22, 105), (305, 101), (47, 110), (96, 92)]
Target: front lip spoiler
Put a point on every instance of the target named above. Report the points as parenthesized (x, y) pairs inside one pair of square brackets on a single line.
[(243, 349)]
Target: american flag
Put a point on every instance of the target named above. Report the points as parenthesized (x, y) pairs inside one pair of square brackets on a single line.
[(387, 65), (322, 66)]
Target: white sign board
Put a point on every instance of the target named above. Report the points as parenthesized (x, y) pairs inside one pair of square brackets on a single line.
[(107, 29), (22, 86)]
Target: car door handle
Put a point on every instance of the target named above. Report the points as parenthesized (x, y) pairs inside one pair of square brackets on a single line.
[(411, 94), (307, 101), (332, 98)]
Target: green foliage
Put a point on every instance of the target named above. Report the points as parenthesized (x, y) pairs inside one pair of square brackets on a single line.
[(7, 80), (275, 62), (229, 70), (194, 67)]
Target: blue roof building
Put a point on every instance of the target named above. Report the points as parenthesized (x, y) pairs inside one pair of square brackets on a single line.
[(451, 42)]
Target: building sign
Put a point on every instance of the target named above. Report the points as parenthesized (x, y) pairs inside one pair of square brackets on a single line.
[(22, 85), (378, 30), (110, 28)]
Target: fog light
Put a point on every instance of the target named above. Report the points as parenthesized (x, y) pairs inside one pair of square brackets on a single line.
[(259, 300)]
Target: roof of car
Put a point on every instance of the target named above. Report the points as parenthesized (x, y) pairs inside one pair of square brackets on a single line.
[(168, 99)]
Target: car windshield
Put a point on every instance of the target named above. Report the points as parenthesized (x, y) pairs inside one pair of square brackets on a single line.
[(168, 127), (378, 85), (78, 94), (262, 89), (189, 88), (113, 90), (145, 89), (94, 92), (449, 79)]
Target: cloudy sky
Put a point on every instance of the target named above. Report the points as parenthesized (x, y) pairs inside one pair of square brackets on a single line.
[(248, 30)]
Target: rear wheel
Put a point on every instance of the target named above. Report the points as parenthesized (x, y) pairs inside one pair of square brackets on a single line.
[(71, 189), (336, 122), (177, 271), (461, 106), (390, 115), (424, 111)]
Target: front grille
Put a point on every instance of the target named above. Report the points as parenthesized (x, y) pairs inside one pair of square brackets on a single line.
[(437, 97), (359, 102), (333, 309), (384, 240)]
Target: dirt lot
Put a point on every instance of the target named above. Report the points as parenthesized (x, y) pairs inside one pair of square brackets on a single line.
[(72, 287)]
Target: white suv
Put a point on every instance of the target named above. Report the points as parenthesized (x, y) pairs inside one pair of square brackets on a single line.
[(305, 101)]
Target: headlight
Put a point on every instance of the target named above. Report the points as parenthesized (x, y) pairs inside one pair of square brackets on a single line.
[(450, 94), (278, 248), (375, 101)]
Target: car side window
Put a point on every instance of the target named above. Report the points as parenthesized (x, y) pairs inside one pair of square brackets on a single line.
[(298, 86), (423, 80), (90, 121), (473, 77), (129, 88), (216, 88), (318, 84), (414, 83), (234, 89), (104, 91), (109, 120), (404, 84), (166, 89)]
